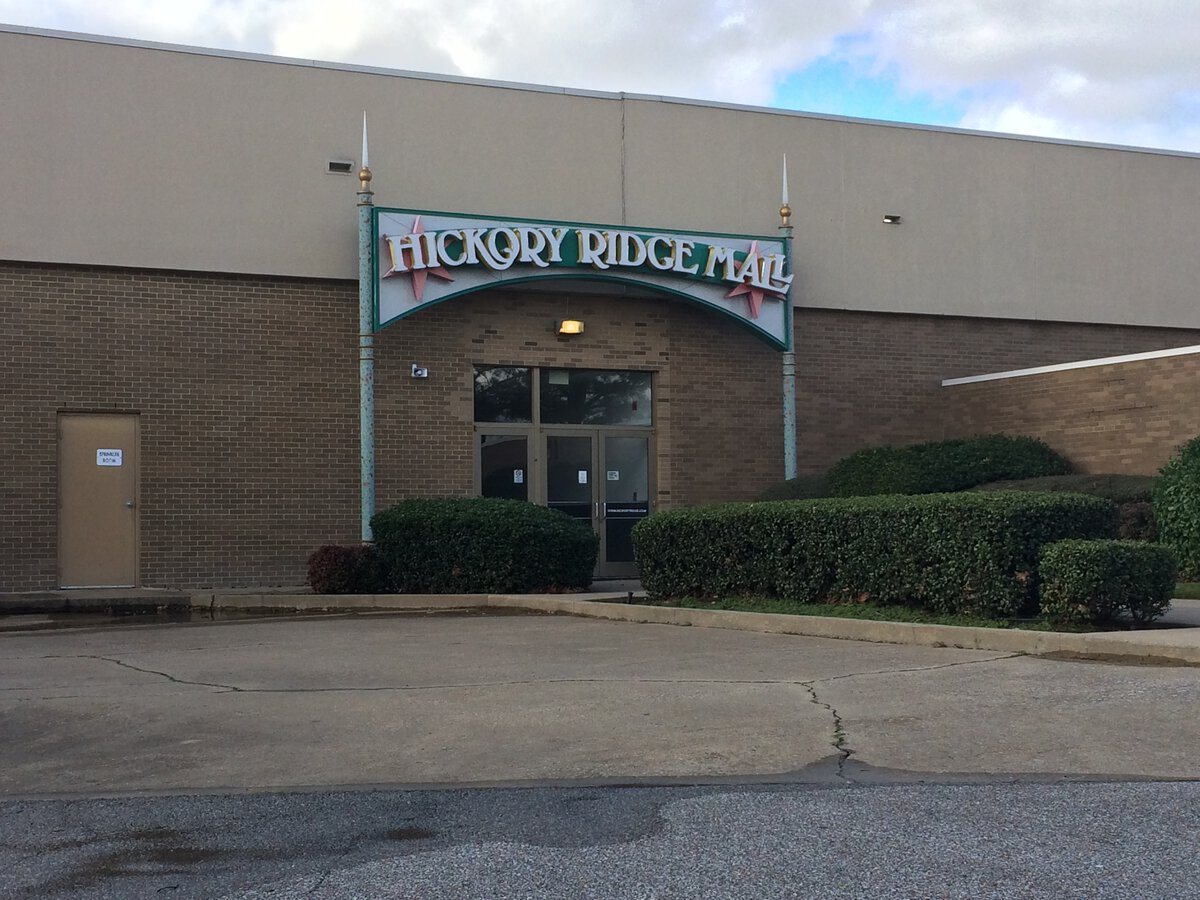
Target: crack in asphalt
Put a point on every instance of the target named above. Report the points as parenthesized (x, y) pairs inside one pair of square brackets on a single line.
[(840, 739), (166, 675), (951, 665), (807, 684), (839, 742), (329, 870)]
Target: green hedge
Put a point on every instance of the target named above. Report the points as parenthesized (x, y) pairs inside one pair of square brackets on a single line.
[(1177, 508), (483, 546), (941, 466), (1097, 582), (969, 553), (338, 569), (1131, 493), (1117, 488), (803, 487)]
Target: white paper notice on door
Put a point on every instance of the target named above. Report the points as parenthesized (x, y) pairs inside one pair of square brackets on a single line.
[(110, 457), (614, 474), (583, 476), (518, 476)]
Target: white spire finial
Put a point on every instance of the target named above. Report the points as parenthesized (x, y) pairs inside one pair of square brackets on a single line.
[(365, 163), (785, 192)]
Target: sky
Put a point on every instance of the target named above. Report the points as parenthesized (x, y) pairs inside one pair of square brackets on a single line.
[(1107, 71)]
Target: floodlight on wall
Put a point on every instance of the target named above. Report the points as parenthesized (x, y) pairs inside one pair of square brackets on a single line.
[(570, 326), (891, 219)]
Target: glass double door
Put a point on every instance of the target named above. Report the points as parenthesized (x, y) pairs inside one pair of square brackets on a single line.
[(599, 476), (603, 479)]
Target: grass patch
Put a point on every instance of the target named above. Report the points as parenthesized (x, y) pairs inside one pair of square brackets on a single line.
[(867, 611), (837, 610), (1187, 590)]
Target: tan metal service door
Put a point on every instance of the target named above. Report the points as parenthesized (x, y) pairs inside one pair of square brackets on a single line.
[(97, 500)]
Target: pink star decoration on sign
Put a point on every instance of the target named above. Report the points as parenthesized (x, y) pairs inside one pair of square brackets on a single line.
[(419, 276), (754, 294)]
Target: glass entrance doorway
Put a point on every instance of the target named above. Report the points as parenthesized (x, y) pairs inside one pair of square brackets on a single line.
[(576, 440), (603, 479)]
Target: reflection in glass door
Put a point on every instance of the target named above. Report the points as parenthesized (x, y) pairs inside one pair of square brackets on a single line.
[(602, 479), (576, 440), (503, 466), (626, 488), (569, 482)]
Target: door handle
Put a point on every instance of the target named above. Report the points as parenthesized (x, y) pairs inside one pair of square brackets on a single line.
[(129, 504)]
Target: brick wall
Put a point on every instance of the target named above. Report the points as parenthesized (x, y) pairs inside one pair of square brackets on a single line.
[(1124, 417), (865, 379), (248, 424), (247, 393)]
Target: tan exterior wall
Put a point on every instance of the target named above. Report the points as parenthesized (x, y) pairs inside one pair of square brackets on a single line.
[(246, 459), (246, 390), (169, 159), (1119, 418), (867, 379)]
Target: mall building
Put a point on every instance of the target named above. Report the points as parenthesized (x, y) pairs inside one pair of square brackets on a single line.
[(581, 299)]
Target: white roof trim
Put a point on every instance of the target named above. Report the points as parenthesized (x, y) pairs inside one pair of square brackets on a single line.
[(1081, 364), (574, 92)]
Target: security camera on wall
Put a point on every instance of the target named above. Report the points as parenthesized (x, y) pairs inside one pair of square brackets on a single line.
[(419, 372)]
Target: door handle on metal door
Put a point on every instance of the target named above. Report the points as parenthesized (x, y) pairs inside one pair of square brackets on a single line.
[(130, 504)]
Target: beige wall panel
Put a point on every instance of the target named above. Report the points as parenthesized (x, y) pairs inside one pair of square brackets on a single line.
[(170, 159), (721, 170), (138, 157), (992, 226)]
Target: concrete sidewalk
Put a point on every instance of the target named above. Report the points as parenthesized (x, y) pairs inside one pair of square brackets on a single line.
[(393, 699), (1176, 642)]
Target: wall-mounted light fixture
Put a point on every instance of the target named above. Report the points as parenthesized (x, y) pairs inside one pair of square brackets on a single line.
[(419, 371), (891, 219), (570, 326)]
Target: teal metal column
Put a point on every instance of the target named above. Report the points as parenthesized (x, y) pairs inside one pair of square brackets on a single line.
[(366, 346), (789, 355)]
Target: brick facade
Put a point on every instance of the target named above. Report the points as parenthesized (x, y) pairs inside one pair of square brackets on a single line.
[(246, 391), (238, 386), (865, 379), (1124, 417)]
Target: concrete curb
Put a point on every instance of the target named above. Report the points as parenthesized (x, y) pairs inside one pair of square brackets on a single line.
[(1180, 646)]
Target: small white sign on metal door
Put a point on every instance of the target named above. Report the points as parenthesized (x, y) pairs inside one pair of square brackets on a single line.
[(110, 457), (583, 476), (518, 476), (614, 474)]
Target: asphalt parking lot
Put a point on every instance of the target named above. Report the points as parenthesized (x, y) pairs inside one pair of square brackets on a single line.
[(405, 700)]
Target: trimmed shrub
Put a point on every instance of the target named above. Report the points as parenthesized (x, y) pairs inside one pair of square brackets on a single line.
[(1097, 582), (970, 553), (1131, 493), (1135, 521), (1177, 508), (483, 545), (941, 466), (803, 487), (335, 569), (1117, 488)]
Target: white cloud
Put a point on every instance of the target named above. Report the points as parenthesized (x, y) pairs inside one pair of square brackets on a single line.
[(732, 50), (1124, 71), (1106, 70)]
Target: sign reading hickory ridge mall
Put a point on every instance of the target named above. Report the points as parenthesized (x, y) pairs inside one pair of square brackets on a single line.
[(427, 257)]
